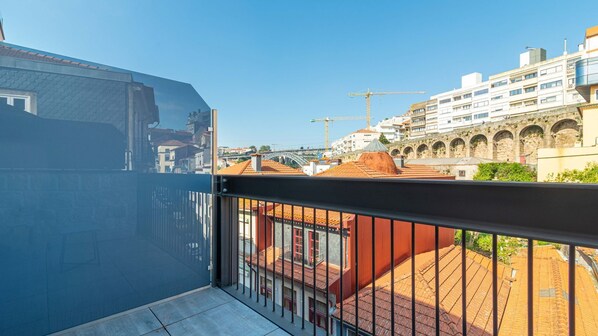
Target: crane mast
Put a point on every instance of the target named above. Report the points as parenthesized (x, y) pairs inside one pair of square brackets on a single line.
[(368, 95), (327, 120)]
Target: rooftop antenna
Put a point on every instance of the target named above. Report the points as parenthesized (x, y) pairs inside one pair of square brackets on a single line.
[(565, 47), (1, 28)]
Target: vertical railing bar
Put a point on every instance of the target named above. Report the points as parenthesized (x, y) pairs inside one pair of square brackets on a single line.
[(274, 258), (282, 216), (392, 277), (315, 265), (302, 267), (356, 264), (244, 243), (413, 278), (258, 281), (265, 256), (231, 234), (293, 296), (464, 281), (236, 240), (572, 289), (342, 260), (327, 276), (437, 279), (373, 277), (494, 284), (251, 243), (530, 287)]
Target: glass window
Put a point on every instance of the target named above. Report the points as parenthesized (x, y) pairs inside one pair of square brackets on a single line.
[(19, 103), (499, 83), (3, 100), (531, 75), (480, 92), (444, 101), (515, 92), (496, 97), (481, 115), (530, 89), (467, 95), (551, 84)]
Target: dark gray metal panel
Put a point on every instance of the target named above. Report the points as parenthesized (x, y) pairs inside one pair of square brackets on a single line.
[(564, 213)]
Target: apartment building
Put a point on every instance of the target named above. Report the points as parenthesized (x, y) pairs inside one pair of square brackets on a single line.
[(394, 128), (538, 84), (355, 141)]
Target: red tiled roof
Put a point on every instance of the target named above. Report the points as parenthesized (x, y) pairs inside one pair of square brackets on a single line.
[(273, 256), (269, 167), (479, 300), (10, 51), (296, 214), (550, 296)]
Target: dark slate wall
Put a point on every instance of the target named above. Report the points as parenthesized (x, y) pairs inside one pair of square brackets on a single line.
[(70, 97)]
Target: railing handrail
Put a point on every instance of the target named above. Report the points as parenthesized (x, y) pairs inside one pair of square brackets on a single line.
[(546, 211)]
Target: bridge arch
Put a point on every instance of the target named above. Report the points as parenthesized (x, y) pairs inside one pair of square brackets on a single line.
[(395, 152), (409, 152), (564, 133), (439, 149), (422, 151), (288, 155), (457, 148), (504, 146), (530, 139), (479, 146)]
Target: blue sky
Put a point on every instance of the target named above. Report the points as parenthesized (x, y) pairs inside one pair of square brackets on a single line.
[(271, 66)]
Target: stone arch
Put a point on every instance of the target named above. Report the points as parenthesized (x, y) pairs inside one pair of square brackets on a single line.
[(395, 152), (530, 139), (565, 133), (409, 152), (457, 148), (504, 146), (422, 151), (479, 146), (438, 149)]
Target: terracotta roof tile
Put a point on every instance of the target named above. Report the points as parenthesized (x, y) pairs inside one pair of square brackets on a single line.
[(299, 214), (550, 296), (479, 285), (274, 258), (269, 167)]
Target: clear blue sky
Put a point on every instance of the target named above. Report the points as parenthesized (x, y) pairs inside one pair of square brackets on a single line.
[(270, 66)]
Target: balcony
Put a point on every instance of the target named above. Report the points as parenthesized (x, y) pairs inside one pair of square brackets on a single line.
[(106, 252), (586, 75)]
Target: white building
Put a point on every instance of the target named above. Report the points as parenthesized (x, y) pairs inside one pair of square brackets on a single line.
[(317, 166), (393, 128), (538, 84), (354, 141)]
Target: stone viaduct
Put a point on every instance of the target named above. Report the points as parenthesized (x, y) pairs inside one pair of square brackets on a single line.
[(506, 140)]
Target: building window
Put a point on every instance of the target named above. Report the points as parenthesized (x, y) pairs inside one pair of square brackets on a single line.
[(516, 79), (551, 84), (596, 95), (480, 104), (313, 246), (480, 92), (467, 95), (23, 101), (317, 313), (550, 99), (530, 89), (531, 75), (432, 107), (461, 173), (496, 97), (290, 299), (499, 83), (515, 92), (551, 70), (456, 98), (266, 287), (480, 115), (444, 101)]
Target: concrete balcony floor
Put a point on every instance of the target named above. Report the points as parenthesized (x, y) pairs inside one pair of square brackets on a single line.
[(208, 311)]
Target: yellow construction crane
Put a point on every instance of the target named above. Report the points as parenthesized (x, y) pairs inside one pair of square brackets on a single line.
[(368, 94), (327, 120)]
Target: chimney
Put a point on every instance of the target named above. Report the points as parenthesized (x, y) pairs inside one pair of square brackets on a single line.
[(401, 161), (313, 165), (256, 162)]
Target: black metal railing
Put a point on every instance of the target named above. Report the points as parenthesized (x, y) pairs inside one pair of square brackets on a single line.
[(379, 239)]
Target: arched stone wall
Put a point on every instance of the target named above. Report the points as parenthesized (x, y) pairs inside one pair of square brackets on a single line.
[(564, 133), (395, 152), (409, 152), (457, 148), (530, 139), (438, 150), (504, 146), (479, 146), (422, 151)]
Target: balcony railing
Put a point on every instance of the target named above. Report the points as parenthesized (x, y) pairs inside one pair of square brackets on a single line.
[(392, 256), (398, 255)]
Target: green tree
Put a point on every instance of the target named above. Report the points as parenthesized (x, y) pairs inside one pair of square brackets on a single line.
[(588, 175), (264, 148), (253, 149), (504, 171), (383, 139)]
